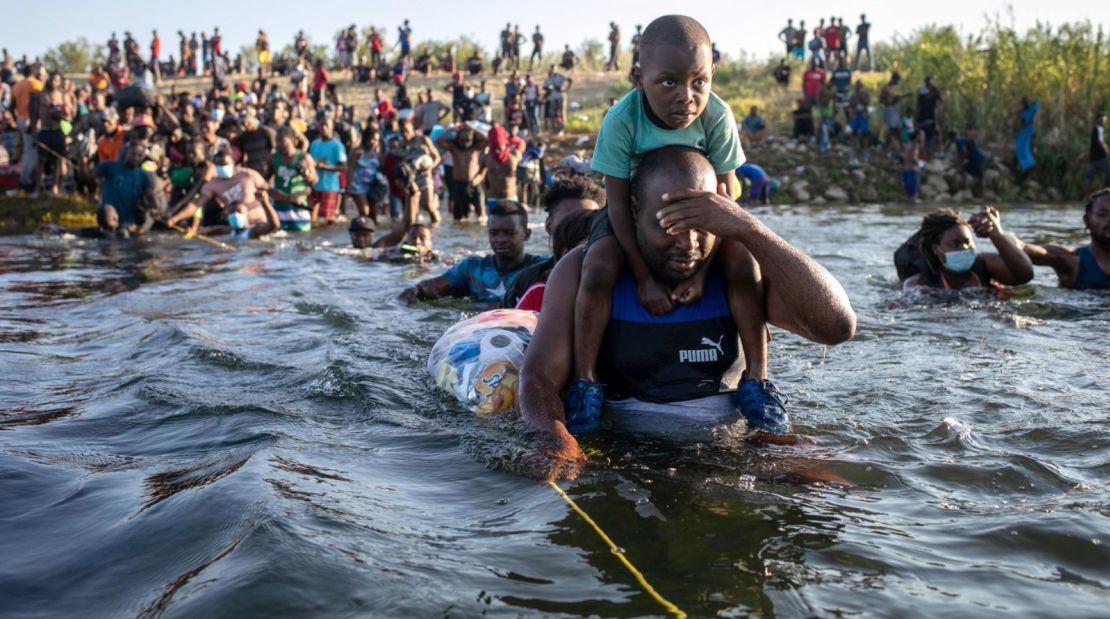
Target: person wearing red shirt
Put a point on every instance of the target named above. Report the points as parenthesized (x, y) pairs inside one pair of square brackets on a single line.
[(832, 40), (319, 82), (812, 81), (155, 52), (375, 49)]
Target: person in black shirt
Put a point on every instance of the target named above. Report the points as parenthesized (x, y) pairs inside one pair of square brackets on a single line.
[(928, 103), (257, 145)]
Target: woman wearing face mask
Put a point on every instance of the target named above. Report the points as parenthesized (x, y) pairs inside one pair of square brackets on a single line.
[(942, 254)]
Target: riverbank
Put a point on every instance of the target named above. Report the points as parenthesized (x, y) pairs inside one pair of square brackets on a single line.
[(804, 175), (21, 214)]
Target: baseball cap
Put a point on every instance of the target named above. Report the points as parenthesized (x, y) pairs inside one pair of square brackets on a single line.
[(363, 224)]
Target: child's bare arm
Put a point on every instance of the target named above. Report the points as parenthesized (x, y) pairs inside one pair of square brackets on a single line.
[(619, 196), (653, 294)]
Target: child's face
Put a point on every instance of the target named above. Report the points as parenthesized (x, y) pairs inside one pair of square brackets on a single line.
[(676, 82)]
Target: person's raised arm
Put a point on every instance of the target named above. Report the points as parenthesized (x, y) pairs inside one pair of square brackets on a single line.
[(1011, 266), (802, 296), (546, 370), (1049, 255)]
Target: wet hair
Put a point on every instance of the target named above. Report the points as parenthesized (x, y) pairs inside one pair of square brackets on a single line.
[(933, 227), (510, 208), (573, 188), (664, 160), (674, 30), (570, 232), (1094, 198)]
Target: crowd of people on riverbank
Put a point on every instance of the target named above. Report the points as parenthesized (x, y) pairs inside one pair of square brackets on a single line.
[(835, 107), (672, 252)]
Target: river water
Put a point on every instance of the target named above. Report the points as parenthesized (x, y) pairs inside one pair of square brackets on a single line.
[(188, 432)]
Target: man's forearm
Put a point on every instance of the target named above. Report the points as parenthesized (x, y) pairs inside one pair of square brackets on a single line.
[(540, 405), (802, 295)]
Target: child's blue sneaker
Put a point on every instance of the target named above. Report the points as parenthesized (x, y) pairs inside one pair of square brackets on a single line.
[(582, 408), (762, 405)]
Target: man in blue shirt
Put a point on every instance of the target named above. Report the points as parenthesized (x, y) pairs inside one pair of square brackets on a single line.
[(331, 158), (484, 278), (125, 185), (1079, 268)]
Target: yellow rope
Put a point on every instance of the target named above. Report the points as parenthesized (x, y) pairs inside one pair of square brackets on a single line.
[(619, 552)]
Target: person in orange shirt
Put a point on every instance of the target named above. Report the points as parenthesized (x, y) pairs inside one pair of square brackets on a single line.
[(109, 145), (98, 79), (22, 94)]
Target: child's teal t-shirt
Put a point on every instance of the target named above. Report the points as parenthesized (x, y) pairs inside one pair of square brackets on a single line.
[(627, 133)]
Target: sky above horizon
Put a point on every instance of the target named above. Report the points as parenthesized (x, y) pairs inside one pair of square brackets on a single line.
[(732, 24)]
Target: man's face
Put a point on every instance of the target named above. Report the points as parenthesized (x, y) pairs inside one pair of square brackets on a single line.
[(507, 237), (675, 82), (327, 130), (407, 131), (672, 258), (420, 238), (135, 155), (564, 209), (360, 239), (1098, 222)]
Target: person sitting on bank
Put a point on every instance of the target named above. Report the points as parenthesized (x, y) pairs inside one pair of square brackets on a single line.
[(753, 127), (941, 254), (1086, 267), (484, 278), (672, 365)]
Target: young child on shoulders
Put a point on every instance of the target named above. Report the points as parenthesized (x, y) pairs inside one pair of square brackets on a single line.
[(672, 104)]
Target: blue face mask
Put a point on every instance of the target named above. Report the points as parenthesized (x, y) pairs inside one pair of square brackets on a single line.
[(217, 115), (225, 171), (237, 221), (959, 261)]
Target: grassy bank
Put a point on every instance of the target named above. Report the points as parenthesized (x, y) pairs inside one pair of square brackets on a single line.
[(19, 215)]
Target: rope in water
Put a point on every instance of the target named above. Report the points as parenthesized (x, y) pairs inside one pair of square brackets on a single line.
[(619, 552), (200, 237)]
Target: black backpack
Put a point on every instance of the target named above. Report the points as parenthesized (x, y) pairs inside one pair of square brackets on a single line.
[(908, 260)]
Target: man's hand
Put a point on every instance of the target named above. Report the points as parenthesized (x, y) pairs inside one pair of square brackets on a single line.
[(655, 297), (986, 222), (703, 210), (558, 455), (409, 295)]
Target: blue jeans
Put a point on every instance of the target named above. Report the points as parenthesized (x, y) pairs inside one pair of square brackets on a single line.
[(394, 207)]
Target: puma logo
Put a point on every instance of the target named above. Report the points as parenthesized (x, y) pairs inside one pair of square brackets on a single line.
[(708, 342), (704, 355)]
